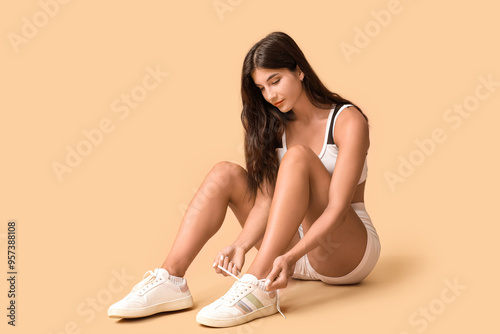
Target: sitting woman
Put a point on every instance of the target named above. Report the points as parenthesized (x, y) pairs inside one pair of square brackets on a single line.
[(300, 201)]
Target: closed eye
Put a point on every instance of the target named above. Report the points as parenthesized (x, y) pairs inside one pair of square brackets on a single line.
[(274, 83)]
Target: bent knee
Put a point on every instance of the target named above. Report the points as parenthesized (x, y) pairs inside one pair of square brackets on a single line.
[(297, 153), (229, 169)]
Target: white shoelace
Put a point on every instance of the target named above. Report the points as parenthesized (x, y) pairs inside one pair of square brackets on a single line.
[(149, 277), (239, 289)]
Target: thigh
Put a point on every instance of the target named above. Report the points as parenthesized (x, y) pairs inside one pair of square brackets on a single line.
[(340, 253)]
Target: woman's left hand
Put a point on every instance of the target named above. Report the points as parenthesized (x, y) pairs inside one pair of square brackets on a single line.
[(283, 268)]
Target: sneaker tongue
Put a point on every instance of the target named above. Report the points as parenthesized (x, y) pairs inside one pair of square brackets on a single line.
[(249, 278)]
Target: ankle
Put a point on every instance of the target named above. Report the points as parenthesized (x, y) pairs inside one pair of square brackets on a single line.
[(256, 273), (174, 271)]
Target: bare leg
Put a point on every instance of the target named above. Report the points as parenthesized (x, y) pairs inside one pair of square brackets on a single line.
[(224, 186), (301, 196)]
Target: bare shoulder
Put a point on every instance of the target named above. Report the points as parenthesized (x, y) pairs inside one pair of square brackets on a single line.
[(351, 113), (351, 124)]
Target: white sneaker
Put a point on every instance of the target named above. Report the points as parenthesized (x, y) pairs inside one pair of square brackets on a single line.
[(245, 301), (154, 294)]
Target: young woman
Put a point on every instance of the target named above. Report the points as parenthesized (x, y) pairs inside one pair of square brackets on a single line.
[(300, 201)]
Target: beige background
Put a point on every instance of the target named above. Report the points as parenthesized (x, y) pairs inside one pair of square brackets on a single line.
[(119, 209)]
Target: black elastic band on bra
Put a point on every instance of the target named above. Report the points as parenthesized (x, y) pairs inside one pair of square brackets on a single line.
[(330, 135)]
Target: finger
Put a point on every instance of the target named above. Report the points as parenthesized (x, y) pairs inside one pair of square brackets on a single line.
[(279, 283), (276, 279), (225, 265), (272, 275), (234, 270), (220, 262), (215, 262)]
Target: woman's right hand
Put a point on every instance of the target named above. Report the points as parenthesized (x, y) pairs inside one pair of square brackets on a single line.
[(231, 258)]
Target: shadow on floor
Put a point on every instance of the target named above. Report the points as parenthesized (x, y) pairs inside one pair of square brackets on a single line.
[(391, 270)]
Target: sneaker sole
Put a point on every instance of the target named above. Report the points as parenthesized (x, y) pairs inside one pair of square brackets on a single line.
[(173, 305), (263, 312)]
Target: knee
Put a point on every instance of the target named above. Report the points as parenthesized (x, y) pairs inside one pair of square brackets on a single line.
[(297, 154), (227, 167), (224, 171)]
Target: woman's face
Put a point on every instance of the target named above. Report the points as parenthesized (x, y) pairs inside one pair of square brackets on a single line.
[(280, 87)]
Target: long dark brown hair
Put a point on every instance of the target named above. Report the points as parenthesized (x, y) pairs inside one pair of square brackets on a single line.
[(264, 123)]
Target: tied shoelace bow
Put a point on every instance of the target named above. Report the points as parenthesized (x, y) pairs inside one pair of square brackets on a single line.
[(149, 278), (238, 289)]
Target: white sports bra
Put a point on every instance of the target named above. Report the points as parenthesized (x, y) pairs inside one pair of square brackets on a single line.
[(330, 150)]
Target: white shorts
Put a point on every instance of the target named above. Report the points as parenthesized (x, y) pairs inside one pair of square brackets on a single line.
[(304, 270)]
